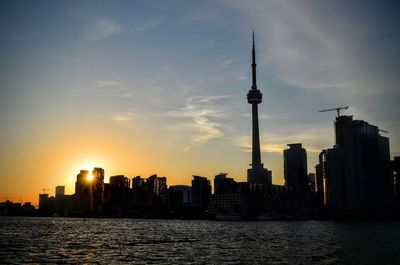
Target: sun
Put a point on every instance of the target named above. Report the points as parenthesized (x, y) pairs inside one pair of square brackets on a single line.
[(89, 168), (90, 176)]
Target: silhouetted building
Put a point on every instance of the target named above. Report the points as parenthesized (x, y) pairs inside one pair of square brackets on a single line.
[(295, 172), (89, 191), (139, 190), (179, 199), (97, 186), (46, 204), (117, 196), (201, 192), (60, 191), (28, 209), (149, 196), (60, 201), (357, 170), (223, 184), (295, 168), (11, 208), (230, 199), (257, 173)]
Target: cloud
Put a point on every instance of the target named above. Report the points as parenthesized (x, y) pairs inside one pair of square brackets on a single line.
[(107, 83), (276, 143), (102, 28), (21, 36), (121, 118), (147, 25), (201, 119)]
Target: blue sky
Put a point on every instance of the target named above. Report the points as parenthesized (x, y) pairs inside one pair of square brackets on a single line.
[(166, 81)]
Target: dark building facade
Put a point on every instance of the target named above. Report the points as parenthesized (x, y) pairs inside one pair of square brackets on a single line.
[(149, 196), (201, 192), (296, 177), (223, 184), (357, 170), (179, 199), (46, 204), (60, 200), (117, 195), (295, 168), (89, 190)]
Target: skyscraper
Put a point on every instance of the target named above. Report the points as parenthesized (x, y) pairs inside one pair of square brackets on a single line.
[(89, 190), (295, 171), (357, 170), (257, 173), (201, 192), (295, 167), (60, 191)]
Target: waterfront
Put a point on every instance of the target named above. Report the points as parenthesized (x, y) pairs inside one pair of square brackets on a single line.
[(73, 240)]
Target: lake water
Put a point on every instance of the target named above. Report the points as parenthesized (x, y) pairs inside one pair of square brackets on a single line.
[(115, 241)]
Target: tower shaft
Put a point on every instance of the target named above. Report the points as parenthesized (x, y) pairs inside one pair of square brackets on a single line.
[(256, 157)]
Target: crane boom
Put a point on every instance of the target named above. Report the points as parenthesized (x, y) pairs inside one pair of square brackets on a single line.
[(44, 190), (337, 109)]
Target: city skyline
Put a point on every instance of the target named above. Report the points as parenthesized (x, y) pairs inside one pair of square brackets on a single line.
[(138, 91)]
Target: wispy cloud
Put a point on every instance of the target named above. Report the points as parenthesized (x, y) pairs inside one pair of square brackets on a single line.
[(107, 83), (20, 37), (276, 143), (201, 119), (102, 28), (121, 118), (147, 25)]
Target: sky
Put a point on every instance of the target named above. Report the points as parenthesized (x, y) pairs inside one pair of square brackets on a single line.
[(159, 87)]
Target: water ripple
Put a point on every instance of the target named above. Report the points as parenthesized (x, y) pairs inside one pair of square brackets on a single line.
[(71, 241)]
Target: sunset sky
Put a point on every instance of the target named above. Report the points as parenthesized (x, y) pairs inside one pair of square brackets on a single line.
[(144, 87)]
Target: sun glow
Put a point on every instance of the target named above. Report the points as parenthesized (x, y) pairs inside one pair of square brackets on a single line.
[(89, 168), (90, 176)]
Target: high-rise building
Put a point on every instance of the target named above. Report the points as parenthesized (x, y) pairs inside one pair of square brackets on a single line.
[(295, 168), (46, 204), (158, 185), (60, 191), (118, 194), (223, 184), (357, 170), (89, 190), (201, 192), (179, 199), (139, 190), (257, 173), (295, 173), (61, 200)]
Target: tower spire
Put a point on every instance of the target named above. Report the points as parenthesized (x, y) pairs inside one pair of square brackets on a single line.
[(253, 67)]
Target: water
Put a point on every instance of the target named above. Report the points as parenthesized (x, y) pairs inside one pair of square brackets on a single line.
[(114, 241)]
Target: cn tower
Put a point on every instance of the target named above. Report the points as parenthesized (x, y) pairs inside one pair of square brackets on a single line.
[(257, 173)]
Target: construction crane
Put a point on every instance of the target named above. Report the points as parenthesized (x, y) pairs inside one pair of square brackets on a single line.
[(44, 190), (337, 109), (6, 198)]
